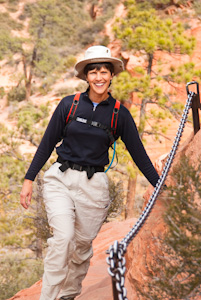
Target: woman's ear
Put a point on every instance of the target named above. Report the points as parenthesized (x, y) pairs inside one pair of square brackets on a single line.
[(112, 75), (86, 78)]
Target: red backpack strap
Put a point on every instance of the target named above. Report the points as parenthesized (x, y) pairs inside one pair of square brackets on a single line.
[(115, 116), (73, 108), (112, 131), (72, 111)]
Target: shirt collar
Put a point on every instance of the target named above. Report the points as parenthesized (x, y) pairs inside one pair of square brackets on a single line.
[(107, 101)]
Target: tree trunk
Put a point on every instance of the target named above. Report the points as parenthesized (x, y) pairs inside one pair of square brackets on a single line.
[(150, 62), (28, 79), (28, 90), (142, 117), (92, 12), (130, 197)]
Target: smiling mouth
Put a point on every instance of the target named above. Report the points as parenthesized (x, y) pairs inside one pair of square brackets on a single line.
[(99, 84)]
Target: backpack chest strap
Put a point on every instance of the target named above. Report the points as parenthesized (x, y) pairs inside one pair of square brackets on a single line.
[(110, 131), (96, 124)]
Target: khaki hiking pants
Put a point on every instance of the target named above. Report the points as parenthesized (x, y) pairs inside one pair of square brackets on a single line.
[(76, 208)]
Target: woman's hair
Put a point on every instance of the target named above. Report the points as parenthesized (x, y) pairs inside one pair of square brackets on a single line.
[(98, 66)]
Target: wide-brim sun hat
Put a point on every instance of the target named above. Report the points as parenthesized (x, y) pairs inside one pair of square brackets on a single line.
[(97, 54)]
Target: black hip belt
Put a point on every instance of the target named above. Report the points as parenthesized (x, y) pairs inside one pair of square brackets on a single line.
[(65, 164)]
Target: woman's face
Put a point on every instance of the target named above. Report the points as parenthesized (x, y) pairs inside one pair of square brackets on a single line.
[(99, 80)]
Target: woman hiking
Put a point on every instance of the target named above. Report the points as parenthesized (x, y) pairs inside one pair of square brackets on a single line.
[(76, 193)]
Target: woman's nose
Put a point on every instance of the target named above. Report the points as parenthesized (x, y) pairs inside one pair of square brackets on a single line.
[(98, 76)]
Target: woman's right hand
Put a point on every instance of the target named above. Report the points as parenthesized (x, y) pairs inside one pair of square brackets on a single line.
[(26, 193)]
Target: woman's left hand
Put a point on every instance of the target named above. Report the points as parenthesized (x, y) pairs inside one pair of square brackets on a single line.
[(26, 193)]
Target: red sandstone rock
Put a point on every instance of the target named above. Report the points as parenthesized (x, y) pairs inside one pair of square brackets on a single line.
[(170, 10)]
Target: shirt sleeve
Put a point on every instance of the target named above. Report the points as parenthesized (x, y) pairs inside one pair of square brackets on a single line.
[(51, 137), (129, 135)]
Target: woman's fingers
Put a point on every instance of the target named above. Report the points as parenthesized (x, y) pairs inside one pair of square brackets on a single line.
[(26, 193)]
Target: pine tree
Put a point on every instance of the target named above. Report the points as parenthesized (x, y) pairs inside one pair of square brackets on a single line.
[(143, 32)]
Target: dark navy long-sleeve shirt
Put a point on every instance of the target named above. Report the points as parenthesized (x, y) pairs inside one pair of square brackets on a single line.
[(87, 145)]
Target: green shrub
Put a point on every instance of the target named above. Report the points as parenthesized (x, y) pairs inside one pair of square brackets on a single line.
[(16, 94), (2, 92), (105, 41), (45, 86), (117, 199), (197, 7), (13, 2), (70, 61), (81, 87), (65, 91), (17, 273)]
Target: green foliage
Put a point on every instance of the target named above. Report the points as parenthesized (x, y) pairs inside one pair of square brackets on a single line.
[(57, 29), (8, 43), (8, 23), (148, 93), (29, 119), (15, 273), (47, 59), (185, 73), (2, 92), (65, 91), (197, 7), (69, 62), (143, 30), (125, 164), (105, 41), (81, 87), (46, 83), (16, 94), (19, 229), (12, 173), (122, 86), (65, 25), (177, 271), (116, 198)]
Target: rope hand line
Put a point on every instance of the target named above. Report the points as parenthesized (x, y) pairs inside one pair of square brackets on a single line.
[(116, 260)]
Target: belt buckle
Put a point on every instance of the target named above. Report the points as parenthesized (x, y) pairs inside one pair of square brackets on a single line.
[(77, 167)]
